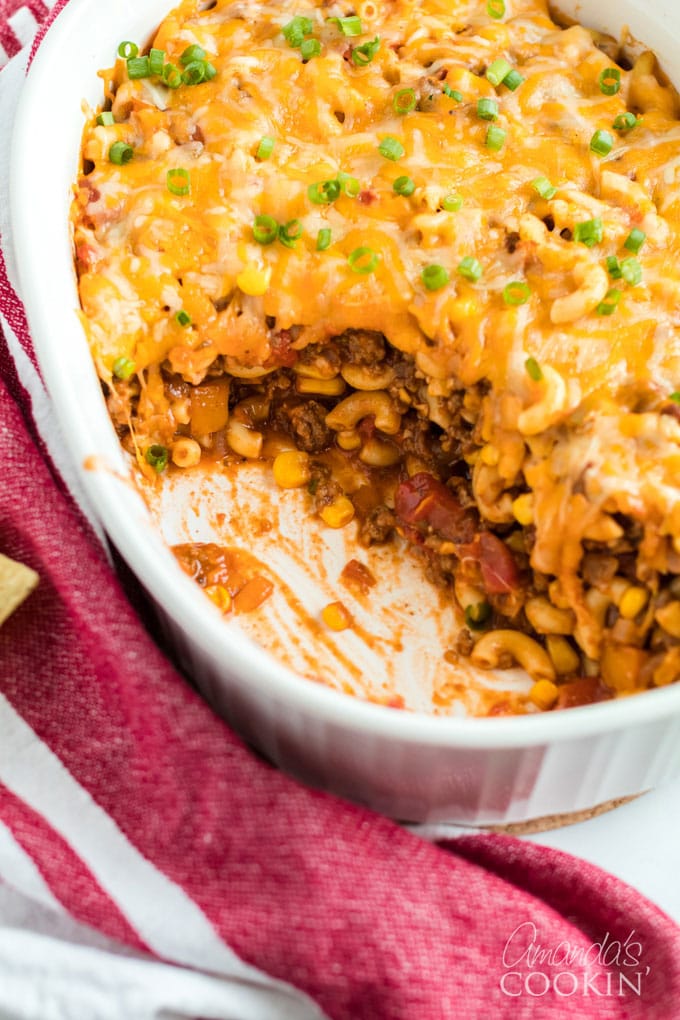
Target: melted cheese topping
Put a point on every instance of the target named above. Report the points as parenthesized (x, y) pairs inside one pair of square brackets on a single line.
[(586, 438)]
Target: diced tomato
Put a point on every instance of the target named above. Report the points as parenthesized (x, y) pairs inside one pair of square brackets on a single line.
[(423, 499), (282, 355), (497, 564), (584, 691), (367, 197)]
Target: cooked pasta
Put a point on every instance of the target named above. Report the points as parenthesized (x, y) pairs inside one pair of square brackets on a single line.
[(423, 257)]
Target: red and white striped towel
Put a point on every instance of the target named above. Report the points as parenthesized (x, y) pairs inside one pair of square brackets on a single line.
[(151, 866)]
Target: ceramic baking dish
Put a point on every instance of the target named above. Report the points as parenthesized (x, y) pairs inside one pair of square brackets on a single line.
[(422, 764)]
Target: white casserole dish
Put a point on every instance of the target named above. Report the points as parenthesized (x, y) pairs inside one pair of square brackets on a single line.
[(409, 765)]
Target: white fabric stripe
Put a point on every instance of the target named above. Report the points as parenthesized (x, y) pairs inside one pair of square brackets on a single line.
[(23, 24), (19, 871), (144, 895)]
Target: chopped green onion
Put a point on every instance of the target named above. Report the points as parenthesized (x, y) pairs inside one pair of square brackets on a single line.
[(434, 277), (265, 148), (324, 192), (310, 48), (138, 67), (470, 269), (495, 9), (613, 267), (194, 73), (391, 148), (123, 368), (350, 185), (127, 50), (544, 188), (477, 615), (533, 369), (156, 61), (497, 70), (487, 108), (404, 186), (363, 55), (675, 397), (625, 122), (265, 229), (192, 53), (631, 271), (404, 101), (608, 305), (609, 81), (513, 80), (295, 31), (635, 240), (452, 93), (363, 261), (601, 143), (452, 202), (172, 76), (121, 153), (495, 138), (323, 239), (209, 71), (182, 318), (289, 233), (178, 181), (157, 457), (348, 26), (589, 232), (516, 293), (105, 119)]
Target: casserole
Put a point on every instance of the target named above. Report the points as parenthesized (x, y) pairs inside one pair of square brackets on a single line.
[(403, 763)]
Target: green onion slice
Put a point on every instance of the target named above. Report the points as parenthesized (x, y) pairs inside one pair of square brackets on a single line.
[(497, 71), (544, 188), (609, 81), (289, 232), (635, 240), (391, 148), (631, 271), (452, 93), (533, 369), (172, 76), (434, 277), (121, 153), (613, 267), (452, 202), (105, 119), (192, 53), (625, 122), (350, 185), (138, 67), (128, 49), (182, 318), (324, 192), (601, 143), (513, 80), (178, 181), (295, 31), (516, 293), (608, 305), (156, 61), (495, 138), (404, 101), (477, 615), (157, 457), (487, 108), (404, 186), (349, 26), (310, 48), (363, 261), (496, 9), (194, 72), (123, 368), (363, 55), (675, 397), (323, 239), (470, 268), (265, 229), (589, 232), (265, 148), (209, 71)]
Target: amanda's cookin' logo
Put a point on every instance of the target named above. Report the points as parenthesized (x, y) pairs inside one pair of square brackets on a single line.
[(610, 967)]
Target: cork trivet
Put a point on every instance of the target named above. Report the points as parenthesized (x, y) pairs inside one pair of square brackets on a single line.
[(547, 822)]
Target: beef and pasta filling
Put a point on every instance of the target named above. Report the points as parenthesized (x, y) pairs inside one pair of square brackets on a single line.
[(422, 258)]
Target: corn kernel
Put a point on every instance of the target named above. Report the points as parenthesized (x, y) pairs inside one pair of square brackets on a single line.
[(218, 594), (544, 694), (523, 509), (633, 601), (348, 439), (339, 513), (335, 616), (291, 469), (254, 281), (564, 658), (668, 617), (490, 455)]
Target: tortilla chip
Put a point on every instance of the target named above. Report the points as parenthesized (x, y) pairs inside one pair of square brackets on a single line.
[(16, 583)]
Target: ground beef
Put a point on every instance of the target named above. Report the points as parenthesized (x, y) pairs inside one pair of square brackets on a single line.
[(363, 346), (377, 527), (306, 423), (323, 356)]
